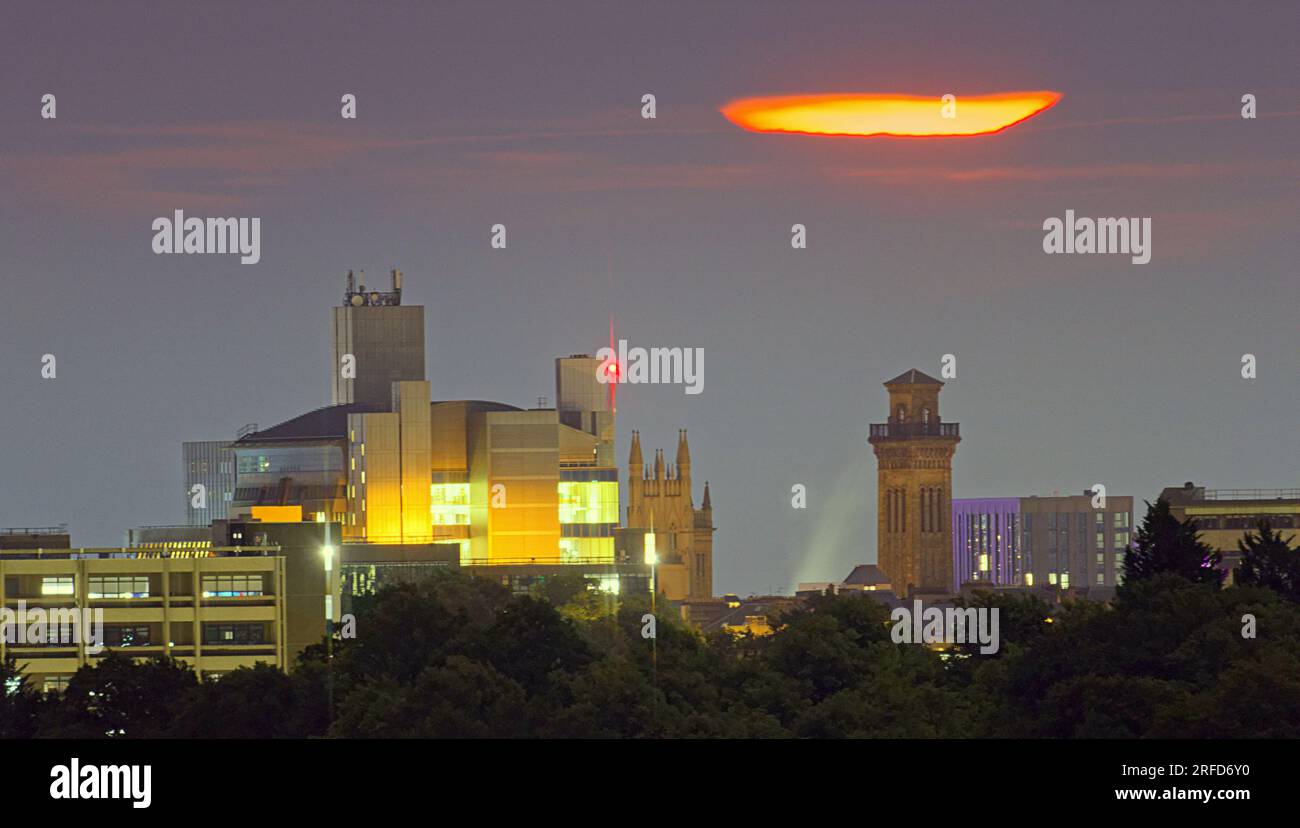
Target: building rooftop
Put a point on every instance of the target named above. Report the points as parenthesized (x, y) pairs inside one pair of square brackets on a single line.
[(137, 552), (866, 575), (1191, 493), (331, 422), (913, 377)]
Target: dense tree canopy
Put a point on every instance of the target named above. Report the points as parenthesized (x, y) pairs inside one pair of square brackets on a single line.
[(456, 656)]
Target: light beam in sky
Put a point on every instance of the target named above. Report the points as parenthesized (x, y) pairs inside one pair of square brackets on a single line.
[(873, 114)]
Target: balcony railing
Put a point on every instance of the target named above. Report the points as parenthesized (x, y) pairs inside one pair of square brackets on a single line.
[(888, 430)]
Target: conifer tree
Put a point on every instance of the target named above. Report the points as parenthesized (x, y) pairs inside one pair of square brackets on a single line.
[(1268, 560), (1165, 545)]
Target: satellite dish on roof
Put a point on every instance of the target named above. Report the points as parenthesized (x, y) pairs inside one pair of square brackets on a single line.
[(357, 300)]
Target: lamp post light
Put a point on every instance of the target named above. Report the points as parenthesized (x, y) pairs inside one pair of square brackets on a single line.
[(652, 558), (327, 552)]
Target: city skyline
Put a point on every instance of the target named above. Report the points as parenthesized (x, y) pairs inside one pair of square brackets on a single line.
[(1070, 370)]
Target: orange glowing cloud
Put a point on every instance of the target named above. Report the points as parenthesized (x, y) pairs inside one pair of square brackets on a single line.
[(874, 114)]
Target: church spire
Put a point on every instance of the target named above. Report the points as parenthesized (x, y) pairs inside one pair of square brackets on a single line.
[(707, 505), (634, 462), (683, 453), (659, 464)]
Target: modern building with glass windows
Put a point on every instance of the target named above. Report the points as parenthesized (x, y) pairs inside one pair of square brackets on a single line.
[(211, 465), (986, 541), (1062, 542)]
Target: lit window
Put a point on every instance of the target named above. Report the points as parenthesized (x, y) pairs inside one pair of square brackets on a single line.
[(232, 586), (55, 684), (58, 585), (254, 633), (118, 586)]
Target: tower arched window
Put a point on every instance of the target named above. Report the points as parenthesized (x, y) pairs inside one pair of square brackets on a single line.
[(925, 416), (902, 414)]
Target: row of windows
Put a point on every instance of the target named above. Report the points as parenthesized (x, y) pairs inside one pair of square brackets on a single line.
[(239, 633), (1246, 522), (126, 635), (232, 586), (137, 586), (114, 635), (119, 586), (1061, 520), (590, 475), (587, 530)]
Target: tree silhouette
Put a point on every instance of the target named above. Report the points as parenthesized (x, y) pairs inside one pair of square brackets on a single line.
[(1164, 545), (1267, 560)]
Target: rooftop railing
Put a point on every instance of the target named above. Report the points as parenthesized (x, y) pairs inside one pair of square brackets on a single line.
[(132, 552), (544, 561), (61, 529), (1252, 494)]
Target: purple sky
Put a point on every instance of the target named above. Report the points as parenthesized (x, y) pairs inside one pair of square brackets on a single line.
[(1071, 370)]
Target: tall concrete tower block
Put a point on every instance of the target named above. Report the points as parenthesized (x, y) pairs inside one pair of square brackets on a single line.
[(583, 402), (914, 450), (383, 337)]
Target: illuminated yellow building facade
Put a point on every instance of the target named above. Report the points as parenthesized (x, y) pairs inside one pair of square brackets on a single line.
[(500, 484), (214, 608), (475, 482)]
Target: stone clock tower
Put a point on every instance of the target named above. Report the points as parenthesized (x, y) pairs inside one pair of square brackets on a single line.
[(914, 451)]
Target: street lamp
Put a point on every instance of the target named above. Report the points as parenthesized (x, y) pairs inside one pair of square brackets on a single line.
[(327, 552)]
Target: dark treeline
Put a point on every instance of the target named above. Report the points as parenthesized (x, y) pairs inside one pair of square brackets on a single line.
[(455, 656)]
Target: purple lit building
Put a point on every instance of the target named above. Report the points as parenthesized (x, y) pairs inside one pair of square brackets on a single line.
[(1063, 541), (986, 541)]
